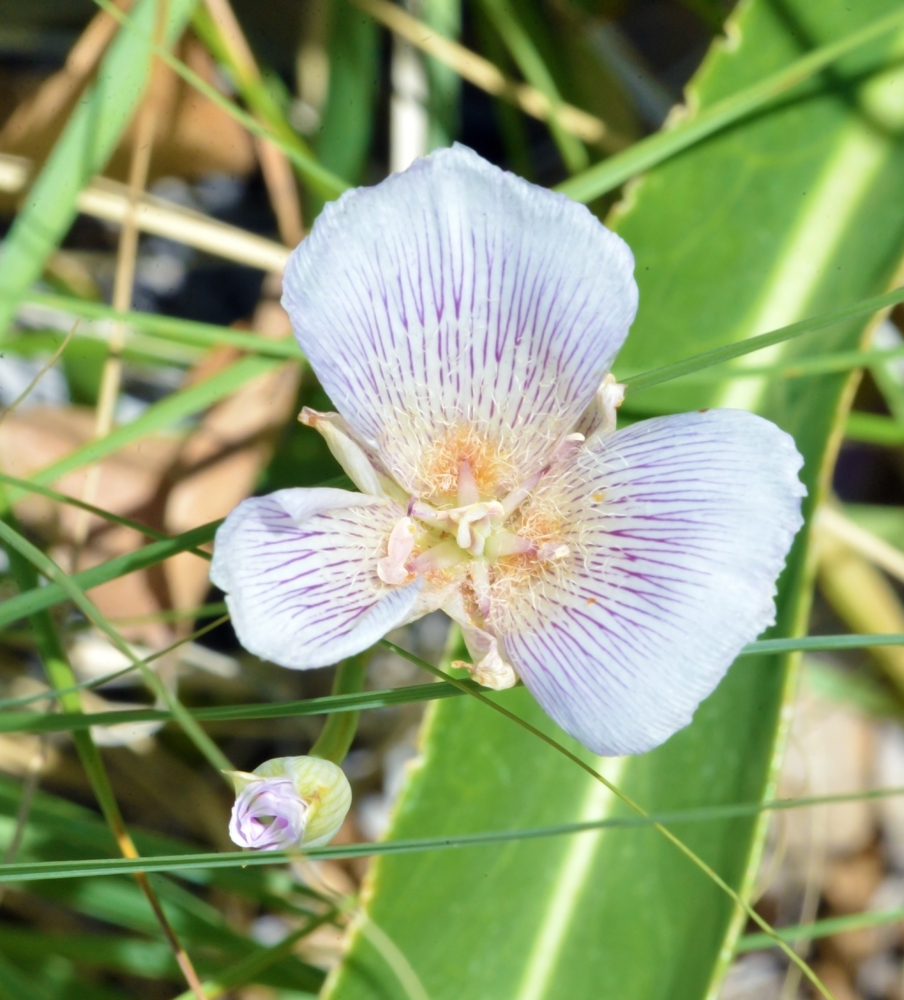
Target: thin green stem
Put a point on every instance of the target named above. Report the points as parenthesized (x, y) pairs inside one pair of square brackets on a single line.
[(335, 739)]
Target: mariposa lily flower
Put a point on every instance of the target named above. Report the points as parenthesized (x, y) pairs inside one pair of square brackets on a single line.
[(288, 802), (464, 323)]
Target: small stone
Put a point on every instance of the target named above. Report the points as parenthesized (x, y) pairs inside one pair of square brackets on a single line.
[(830, 752), (758, 976), (890, 774)]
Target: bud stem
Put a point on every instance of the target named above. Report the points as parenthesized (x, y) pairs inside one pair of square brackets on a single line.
[(339, 730)]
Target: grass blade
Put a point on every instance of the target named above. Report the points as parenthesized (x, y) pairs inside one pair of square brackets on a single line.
[(38, 722), (717, 356), (39, 598), (35, 870), (181, 331), (327, 184)]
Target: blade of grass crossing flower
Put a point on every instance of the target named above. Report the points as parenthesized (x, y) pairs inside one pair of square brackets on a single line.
[(59, 673), (661, 146), (39, 722), (90, 136), (46, 566), (720, 355), (826, 364)]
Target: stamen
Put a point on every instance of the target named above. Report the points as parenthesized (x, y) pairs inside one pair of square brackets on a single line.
[(468, 492), (392, 567), (480, 581), (441, 556), (507, 543), (520, 493), (566, 448), (553, 551)]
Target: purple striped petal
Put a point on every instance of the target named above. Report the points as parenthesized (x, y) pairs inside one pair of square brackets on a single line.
[(456, 295), (299, 571), (678, 529)]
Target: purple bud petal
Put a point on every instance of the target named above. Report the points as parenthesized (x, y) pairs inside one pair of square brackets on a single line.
[(268, 815)]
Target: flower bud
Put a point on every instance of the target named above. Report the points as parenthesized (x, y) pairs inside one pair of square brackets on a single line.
[(288, 802)]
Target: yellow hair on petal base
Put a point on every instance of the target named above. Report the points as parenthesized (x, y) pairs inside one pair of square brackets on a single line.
[(439, 468)]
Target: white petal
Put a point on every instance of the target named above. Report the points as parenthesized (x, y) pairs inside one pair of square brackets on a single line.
[(453, 295), (678, 528), (299, 571)]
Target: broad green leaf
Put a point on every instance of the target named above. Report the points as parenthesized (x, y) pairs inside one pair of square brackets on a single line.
[(788, 214), (91, 134)]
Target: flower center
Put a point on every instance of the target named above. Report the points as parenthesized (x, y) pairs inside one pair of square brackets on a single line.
[(477, 531)]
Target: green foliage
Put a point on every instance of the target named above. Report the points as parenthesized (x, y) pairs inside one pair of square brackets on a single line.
[(772, 210)]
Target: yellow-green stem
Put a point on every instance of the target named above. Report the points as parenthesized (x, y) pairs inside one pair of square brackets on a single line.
[(336, 737)]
